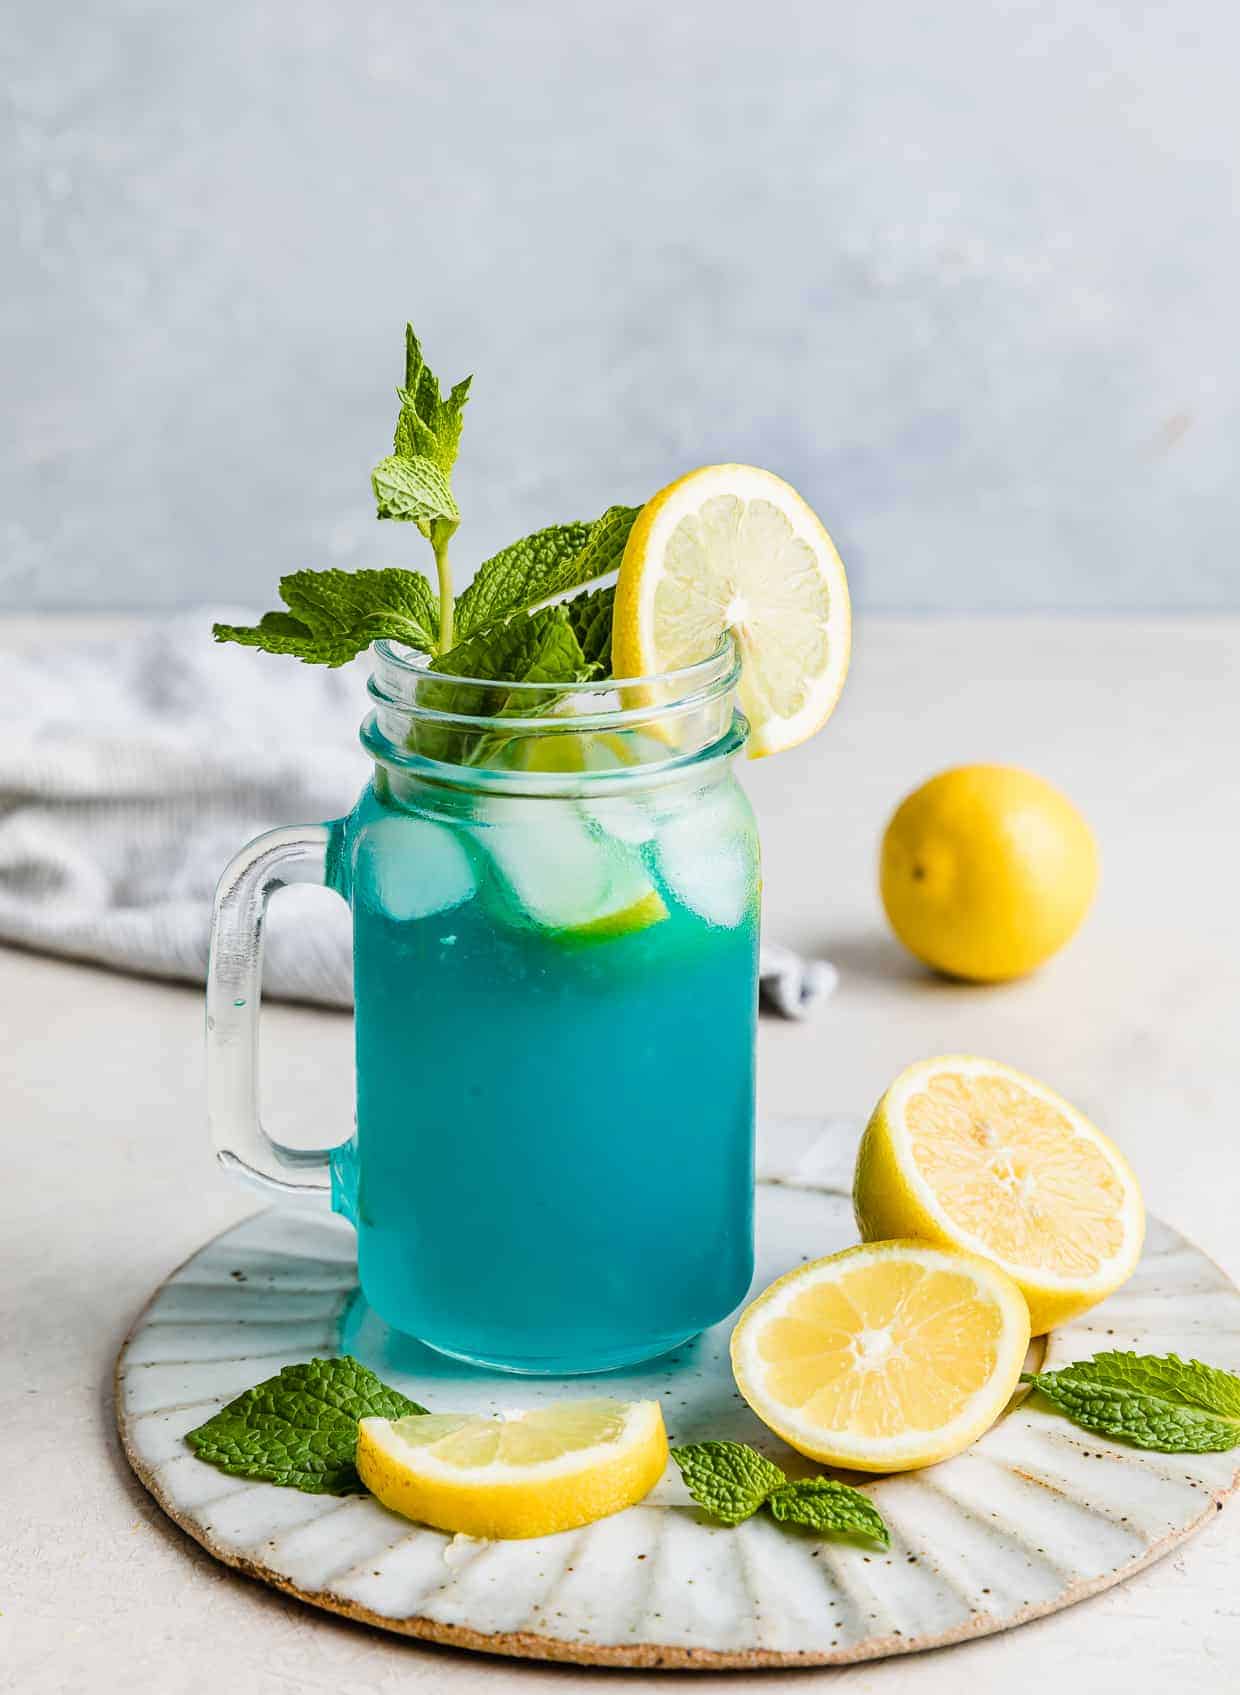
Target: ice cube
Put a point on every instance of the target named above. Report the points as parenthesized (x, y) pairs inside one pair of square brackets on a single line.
[(562, 871), (705, 853), (412, 867), (625, 818)]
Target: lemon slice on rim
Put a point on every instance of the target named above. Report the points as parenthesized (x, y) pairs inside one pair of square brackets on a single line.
[(972, 1154), (731, 547), (552, 1469), (887, 1356)]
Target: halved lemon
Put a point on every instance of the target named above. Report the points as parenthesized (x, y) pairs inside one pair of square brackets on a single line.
[(532, 1474), (972, 1154), (730, 547), (887, 1356)]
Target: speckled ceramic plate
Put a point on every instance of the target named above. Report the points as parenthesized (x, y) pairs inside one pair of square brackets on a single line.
[(1036, 1516)]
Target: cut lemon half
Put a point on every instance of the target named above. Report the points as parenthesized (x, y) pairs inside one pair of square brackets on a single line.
[(561, 1466), (884, 1357), (971, 1154), (730, 547)]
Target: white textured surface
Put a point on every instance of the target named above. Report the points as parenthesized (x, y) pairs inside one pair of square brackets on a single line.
[(1032, 1517), (106, 1181), (965, 275)]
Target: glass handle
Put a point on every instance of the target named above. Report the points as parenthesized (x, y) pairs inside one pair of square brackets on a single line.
[(297, 854)]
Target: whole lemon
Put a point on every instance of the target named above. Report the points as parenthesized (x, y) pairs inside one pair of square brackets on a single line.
[(986, 871)]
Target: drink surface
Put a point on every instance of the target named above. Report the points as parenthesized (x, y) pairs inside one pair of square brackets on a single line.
[(555, 1037)]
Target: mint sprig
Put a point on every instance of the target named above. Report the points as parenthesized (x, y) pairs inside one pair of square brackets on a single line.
[(732, 1481), (412, 484), (1161, 1402), (330, 616), (299, 1428)]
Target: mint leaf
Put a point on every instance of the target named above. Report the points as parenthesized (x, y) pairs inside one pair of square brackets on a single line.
[(822, 1504), (334, 615), (299, 1428), (364, 606), (538, 648), (429, 426), (412, 483), (603, 550), (413, 490), (542, 566), (730, 1480), (590, 615), (1153, 1401), (279, 632), (512, 578)]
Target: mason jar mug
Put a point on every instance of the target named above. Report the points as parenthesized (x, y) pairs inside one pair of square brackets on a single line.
[(555, 921)]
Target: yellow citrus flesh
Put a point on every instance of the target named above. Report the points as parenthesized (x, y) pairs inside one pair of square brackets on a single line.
[(971, 1154), (731, 547), (884, 1357), (986, 871), (638, 915), (553, 1469)]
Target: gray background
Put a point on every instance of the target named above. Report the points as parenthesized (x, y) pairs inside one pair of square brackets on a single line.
[(967, 273)]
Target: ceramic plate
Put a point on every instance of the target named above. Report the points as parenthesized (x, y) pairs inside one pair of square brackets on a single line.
[(1036, 1516)]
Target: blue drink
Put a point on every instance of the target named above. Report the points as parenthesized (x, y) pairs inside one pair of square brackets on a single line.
[(555, 1033), (555, 911)]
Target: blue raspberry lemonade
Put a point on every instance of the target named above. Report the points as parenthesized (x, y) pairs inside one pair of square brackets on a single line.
[(554, 883), (555, 1036)]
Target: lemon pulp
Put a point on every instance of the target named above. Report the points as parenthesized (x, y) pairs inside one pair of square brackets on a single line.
[(884, 1357)]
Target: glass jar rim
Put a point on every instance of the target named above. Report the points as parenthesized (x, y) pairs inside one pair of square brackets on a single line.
[(396, 684), (720, 666), (425, 720)]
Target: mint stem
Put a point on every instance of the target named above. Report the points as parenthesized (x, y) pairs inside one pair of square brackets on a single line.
[(440, 545)]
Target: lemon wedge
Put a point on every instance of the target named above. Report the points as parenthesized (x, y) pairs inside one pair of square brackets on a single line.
[(567, 875), (538, 1472), (971, 1154), (887, 1356), (730, 547)]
